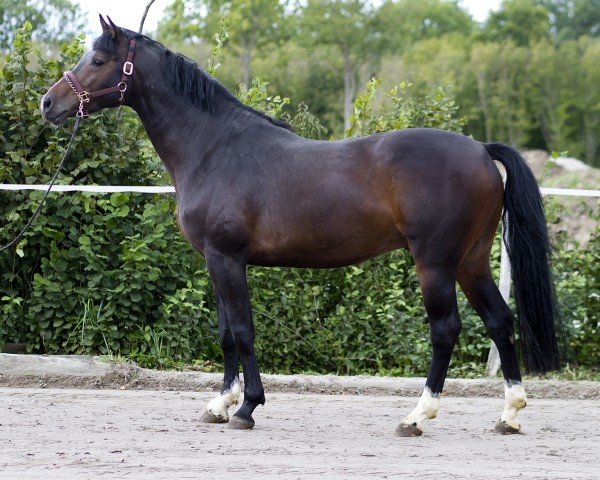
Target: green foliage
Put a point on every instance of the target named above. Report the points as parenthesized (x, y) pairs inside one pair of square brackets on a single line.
[(344, 24), (407, 22), (53, 21), (397, 111), (258, 97), (577, 273), (220, 39), (522, 21), (306, 124), (250, 24), (573, 19)]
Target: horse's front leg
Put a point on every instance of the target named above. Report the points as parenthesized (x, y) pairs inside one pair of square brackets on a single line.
[(217, 409), (228, 274)]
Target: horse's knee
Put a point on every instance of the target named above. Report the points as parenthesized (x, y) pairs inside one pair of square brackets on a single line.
[(500, 328), (444, 333), (243, 338), (226, 339)]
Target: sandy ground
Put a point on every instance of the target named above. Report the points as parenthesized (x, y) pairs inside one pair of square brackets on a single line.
[(79, 434)]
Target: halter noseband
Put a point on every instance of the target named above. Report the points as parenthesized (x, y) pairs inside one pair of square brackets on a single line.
[(121, 87)]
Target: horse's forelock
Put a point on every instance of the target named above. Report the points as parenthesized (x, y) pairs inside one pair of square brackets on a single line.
[(105, 43)]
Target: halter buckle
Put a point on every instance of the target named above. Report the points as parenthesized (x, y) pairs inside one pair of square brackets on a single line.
[(84, 97), (122, 86), (128, 68), (82, 113)]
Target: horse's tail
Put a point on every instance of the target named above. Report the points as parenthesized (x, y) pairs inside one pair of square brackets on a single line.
[(529, 250)]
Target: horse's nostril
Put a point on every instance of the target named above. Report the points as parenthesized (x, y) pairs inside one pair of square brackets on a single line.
[(47, 103)]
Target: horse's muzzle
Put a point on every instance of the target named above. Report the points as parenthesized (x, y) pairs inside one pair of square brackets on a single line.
[(50, 112)]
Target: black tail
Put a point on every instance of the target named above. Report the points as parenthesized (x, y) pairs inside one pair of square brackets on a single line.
[(529, 250)]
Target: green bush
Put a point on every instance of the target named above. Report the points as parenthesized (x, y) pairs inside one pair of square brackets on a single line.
[(577, 274), (395, 110)]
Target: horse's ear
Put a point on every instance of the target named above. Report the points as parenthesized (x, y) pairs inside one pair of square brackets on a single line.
[(114, 30), (105, 26)]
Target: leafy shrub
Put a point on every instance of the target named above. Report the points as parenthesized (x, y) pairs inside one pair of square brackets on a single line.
[(577, 274), (395, 110), (303, 121)]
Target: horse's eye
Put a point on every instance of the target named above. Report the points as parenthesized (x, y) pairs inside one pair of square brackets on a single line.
[(98, 63)]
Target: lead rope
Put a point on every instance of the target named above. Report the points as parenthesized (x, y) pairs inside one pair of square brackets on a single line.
[(52, 180)]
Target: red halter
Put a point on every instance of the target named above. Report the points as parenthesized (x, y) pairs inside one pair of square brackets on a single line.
[(85, 96)]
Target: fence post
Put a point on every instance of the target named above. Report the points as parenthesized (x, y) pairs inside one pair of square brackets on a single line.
[(493, 363)]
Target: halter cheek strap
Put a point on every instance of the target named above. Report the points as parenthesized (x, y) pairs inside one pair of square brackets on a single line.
[(121, 87)]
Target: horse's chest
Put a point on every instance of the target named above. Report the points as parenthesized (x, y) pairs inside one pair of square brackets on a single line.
[(191, 226), (220, 226)]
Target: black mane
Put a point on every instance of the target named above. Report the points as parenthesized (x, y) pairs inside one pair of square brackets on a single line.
[(184, 76)]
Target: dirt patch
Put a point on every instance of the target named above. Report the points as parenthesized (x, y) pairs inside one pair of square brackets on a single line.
[(39, 371), (74, 434)]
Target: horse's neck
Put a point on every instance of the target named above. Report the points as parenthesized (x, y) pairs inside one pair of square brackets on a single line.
[(180, 132)]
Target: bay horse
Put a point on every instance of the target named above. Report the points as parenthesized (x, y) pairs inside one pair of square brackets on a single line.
[(250, 191)]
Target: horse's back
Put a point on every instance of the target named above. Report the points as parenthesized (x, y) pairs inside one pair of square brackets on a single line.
[(422, 151)]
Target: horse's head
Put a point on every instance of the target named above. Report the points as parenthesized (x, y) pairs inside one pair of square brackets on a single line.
[(99, 80)]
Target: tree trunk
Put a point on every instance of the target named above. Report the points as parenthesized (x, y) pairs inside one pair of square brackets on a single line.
[(349, 88), (247, 48), (591, 142), (484, 107)]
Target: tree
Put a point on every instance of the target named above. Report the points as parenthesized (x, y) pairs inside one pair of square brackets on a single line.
[(53, 21), (551, 73), (590, 99), (252, 24), (181, 24), (346, 25), (500, 70), (522, 21), (403, 23), (573, 19)]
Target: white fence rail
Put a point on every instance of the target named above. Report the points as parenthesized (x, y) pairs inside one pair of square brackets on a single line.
[(505, 273), (89, 188), (167, 189)]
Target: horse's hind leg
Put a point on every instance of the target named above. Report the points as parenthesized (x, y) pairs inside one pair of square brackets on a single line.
[(478, 285), (439, 296), (217, 409)]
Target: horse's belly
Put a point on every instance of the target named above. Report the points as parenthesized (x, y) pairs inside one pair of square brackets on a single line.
[(326, 251)]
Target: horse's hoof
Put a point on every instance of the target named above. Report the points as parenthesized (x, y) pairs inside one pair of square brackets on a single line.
[(208, 417), (239, 423), (505, 429), (409, 430)]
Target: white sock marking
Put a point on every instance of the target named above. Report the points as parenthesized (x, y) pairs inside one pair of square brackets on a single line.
[(426, 409), (514, 400), (219, 405)]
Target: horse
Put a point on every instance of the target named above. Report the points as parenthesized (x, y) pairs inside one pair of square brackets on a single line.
[(251, 192)]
